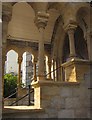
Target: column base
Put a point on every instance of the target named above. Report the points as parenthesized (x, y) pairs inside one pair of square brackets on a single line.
[(34, 79), (75, 69), (49, 79), (72, 57), (40, 77)]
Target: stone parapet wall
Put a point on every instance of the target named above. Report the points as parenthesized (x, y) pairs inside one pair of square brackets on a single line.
[(64, 100)]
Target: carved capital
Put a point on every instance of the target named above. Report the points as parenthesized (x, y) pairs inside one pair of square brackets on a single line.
[(6, 11), (20, 59), (70, 27), (6, 17), (35, 60), (41, 19)]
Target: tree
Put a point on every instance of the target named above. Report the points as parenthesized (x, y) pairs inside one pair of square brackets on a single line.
[(10, 83)]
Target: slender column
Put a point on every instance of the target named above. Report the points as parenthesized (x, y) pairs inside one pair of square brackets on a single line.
[(71, 42), (58, 62), (61, 72), (55, 64), (49, 68), (19, 78), (89, 44), (70, 30), (53, 69), (34, 65), (41, 22), (19, 70)]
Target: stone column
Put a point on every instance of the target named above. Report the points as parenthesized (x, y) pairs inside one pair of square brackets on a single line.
[(41, 22), (19, 70), (19, 92), (53, 69), (49, 68), (3, 70), (6, 17), (70, 30), (34, 65), (89, 44), (59, 69)]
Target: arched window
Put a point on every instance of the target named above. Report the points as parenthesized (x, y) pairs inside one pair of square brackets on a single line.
[(27, 68), (11, 65)]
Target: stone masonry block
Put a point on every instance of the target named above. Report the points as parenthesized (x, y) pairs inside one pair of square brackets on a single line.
[(81, 113), (52, 113), (72, 103), (66, 113), (66, 92), (57, 102), (48, 90)]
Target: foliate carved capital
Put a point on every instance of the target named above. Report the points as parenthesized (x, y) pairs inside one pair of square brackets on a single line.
[(70, 28), (6, 18), (35, 60), (20, 59), (41, 19), (6, 11)]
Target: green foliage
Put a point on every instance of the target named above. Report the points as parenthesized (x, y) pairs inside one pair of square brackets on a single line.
[(10, 83)]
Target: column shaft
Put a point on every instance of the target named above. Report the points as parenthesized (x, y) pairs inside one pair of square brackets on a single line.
[(19, 70), (41, 53), (49, 68), (41, 22), (89, 44), (3, 65), (53, 69), (34, 64), (71, 42)]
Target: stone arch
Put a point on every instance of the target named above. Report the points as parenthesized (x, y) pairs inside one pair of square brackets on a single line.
[(28, 49), (56, 34), (57, 41), (14, 3), (83, 18), (12, 48)]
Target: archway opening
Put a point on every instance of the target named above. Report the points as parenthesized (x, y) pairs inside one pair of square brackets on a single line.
[(10, 76), (27, 69), (80, 44)]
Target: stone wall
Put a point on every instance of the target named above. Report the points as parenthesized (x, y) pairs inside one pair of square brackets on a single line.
[(68, 100), (58, 100)]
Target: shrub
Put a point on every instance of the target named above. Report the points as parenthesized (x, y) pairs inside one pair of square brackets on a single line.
[(10, 83)]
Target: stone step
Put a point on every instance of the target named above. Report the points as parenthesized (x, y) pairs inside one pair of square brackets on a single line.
[(23, 112)]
